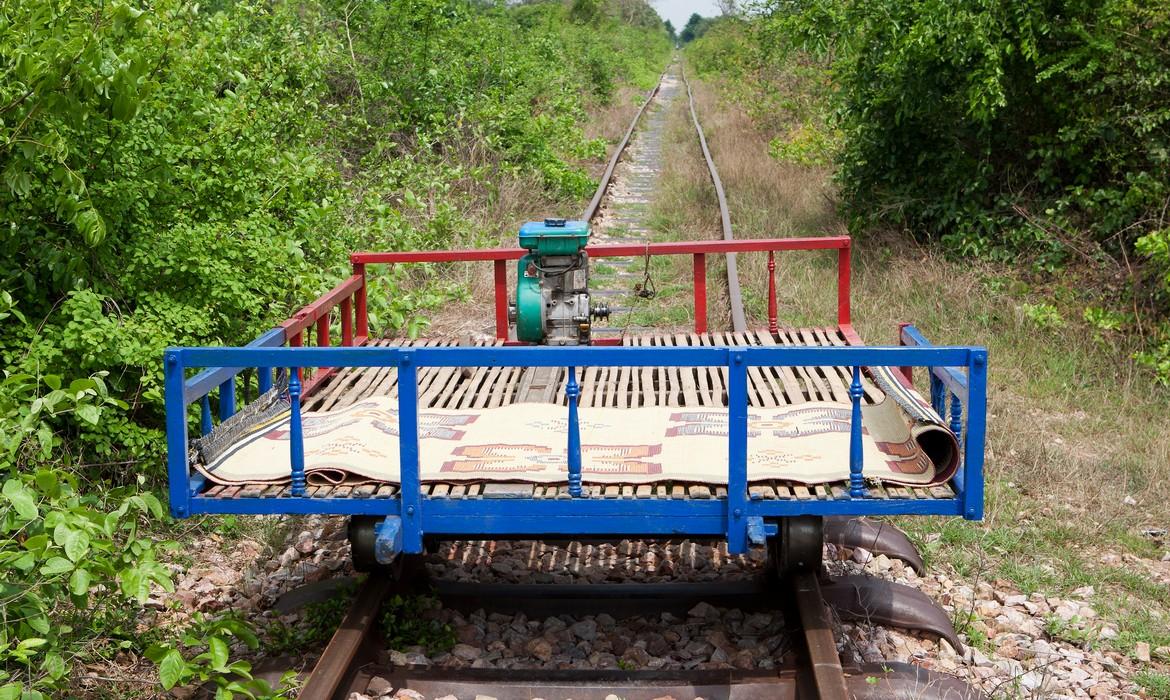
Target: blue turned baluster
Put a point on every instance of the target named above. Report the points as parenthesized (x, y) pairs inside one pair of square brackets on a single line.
[(956, 417), (572, 391), (856, 480), (296, 439), (205, 424)]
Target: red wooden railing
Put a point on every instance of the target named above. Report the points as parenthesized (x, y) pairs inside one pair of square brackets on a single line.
[(698, 251), (349, 300)]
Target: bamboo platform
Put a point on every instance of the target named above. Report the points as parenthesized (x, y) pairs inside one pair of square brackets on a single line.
[(616, 387)]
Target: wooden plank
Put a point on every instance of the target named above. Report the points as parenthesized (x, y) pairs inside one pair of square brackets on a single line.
[(699, 492), (649, 391), (690, 394), (872, 392), (507, 490), (440, 490), (644, 491), (713, 388), (815, 386), (677, 491), (385, 491), (364, 490), (759, 387), (792, 392)]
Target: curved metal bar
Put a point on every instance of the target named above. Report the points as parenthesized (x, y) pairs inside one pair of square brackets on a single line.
[(738, 321)]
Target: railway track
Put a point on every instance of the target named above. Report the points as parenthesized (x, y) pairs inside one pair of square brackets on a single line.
[(809, 663)]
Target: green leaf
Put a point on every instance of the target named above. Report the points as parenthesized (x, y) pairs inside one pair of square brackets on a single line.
[(76, 545), (56, 565), (54, 665), (11, 691), (218, 649), (88, 413), (171, 669), (79, 582), (21, 499)]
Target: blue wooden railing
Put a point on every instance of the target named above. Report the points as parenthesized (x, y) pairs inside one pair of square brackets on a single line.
[(959, 373)]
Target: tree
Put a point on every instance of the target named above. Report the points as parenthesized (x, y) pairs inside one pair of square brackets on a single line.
[(670, 30), (689, 32)]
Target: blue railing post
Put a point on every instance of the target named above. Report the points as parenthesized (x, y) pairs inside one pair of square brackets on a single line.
[(227, 399), (573, 392), (937, 395), (976, 434), (178, 477), (956, 417), (296, 434), (205, 424), (856, 479), (263, 379), (410, 489), (737, 447)]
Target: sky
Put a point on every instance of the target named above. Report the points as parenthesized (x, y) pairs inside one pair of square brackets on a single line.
[(679, 11)]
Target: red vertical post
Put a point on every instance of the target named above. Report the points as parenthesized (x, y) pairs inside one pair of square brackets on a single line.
[(501, 278), (772, 322), (347, 322), (907, 372), (700, 293), (843, 274), (322, 336), (323, 331), (295, 342), (360, 314)]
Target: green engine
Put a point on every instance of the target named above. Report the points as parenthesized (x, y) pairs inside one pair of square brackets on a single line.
[(552, 284)]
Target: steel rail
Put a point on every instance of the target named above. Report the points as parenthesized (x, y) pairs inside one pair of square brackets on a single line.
[(810, 669), (603, 186), (735, 296), (734, 293)]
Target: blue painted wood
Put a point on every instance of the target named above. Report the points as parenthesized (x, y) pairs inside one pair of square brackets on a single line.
[(206, 381), (972, 493), (527, 516), (956, 425), (178, 477), (573, 392), (856, 454), (737, 448), (945, 372), (205, 424), (938, 393), (471, 517), (264, 379), (227, 399), (581, 356), (296, 435), (410, 488)]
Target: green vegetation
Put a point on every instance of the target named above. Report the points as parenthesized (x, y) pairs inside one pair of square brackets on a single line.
[(409, 621), (1008, 131), (179, 174)]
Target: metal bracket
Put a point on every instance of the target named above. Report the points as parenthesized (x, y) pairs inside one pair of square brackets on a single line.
[(388, 539), (759, 531)]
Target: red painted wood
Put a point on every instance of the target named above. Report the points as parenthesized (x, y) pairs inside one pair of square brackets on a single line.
[(309, 315), (772, 321), (700, 260), (361, 318), (609, 251), (843, 276), (347, 322), (501, 282)]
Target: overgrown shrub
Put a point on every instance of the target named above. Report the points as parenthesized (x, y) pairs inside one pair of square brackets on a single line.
[(174, 173)]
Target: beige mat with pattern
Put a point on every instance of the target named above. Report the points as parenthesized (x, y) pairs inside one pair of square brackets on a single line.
[(526, 442)]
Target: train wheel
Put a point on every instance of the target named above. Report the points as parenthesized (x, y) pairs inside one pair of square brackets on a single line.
[(799, 546), (361, 547)]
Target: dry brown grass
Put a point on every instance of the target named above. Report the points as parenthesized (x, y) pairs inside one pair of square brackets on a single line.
[(1071, 416)]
